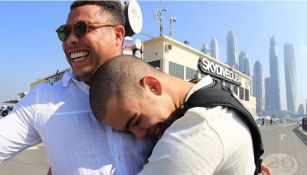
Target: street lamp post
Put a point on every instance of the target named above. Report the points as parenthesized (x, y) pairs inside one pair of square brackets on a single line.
[(159, 17)]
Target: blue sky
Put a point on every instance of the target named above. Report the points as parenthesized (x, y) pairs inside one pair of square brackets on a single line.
[(30, 48)]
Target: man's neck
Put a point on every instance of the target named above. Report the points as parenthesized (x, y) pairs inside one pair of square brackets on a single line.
[(180, 88)]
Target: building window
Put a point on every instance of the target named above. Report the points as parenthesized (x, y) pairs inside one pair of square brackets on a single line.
[(176, 70), (190, 73), (246, 95), (235, 89), (241, 95), (155, 63), (227, 85)]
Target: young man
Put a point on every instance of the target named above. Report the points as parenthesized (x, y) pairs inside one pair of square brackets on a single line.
[(130, 95), (59, 115)]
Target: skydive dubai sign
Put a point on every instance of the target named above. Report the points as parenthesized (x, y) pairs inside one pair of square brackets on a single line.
[(216, 70)]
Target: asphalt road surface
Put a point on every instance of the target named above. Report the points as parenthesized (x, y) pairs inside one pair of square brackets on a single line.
[(284, 153), (30, 162)]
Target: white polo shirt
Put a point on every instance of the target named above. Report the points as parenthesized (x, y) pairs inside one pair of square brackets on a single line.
[(59, 115)]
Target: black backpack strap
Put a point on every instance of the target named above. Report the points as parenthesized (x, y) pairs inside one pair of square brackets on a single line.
[(219, 95)]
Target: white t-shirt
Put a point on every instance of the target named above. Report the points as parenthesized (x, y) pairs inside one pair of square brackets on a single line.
[(203, 142), (60, 116)]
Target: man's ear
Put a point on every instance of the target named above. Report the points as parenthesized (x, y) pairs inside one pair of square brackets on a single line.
[(152, 84), (120, 34)]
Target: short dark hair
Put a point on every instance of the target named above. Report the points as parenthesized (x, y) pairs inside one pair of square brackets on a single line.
[(114, 7), (115, 78)]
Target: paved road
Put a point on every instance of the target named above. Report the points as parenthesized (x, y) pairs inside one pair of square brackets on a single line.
[(284, 153), (30, 162)]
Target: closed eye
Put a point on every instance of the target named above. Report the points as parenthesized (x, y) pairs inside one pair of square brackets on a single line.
[(133, 121)]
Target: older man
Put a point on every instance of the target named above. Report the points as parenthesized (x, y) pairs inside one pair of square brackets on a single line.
[(59, 115)]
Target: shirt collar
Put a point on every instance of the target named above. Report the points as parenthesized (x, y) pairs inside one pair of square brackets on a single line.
[(205, 81), (71, 76), (67, 77)]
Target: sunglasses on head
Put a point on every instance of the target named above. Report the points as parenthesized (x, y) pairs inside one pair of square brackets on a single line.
[(80, 28)]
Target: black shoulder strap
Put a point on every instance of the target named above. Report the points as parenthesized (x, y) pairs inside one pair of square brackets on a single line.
[(219, 95)]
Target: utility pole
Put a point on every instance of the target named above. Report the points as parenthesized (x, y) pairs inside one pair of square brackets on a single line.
[(159, 17), (171, 31)]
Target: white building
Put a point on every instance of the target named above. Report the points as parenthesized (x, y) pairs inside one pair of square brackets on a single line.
[(181, 60)]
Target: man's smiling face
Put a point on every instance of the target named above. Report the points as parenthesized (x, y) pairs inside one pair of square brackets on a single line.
[(86, 53)]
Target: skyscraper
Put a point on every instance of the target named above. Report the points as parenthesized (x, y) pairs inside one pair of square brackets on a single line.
[(258, 86), (214, 49), (232, 50), (290, 76), (274, 78), (205, 48), (267, 98), (300, 110), (244, 63), (242, 56), (247, 66)]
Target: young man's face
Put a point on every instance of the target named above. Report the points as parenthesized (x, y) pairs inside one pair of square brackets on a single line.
[(141, 116), (86, 53)]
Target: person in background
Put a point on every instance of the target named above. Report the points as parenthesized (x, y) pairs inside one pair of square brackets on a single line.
[(130, 95), (60, 116)]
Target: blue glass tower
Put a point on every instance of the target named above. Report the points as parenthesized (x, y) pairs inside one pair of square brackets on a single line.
[(274, 78), (232, 50), (258, 85), (214, 49), (267, 98), (300, 110), (244, 63), (242, 56), (290, 77), (205, 49)]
